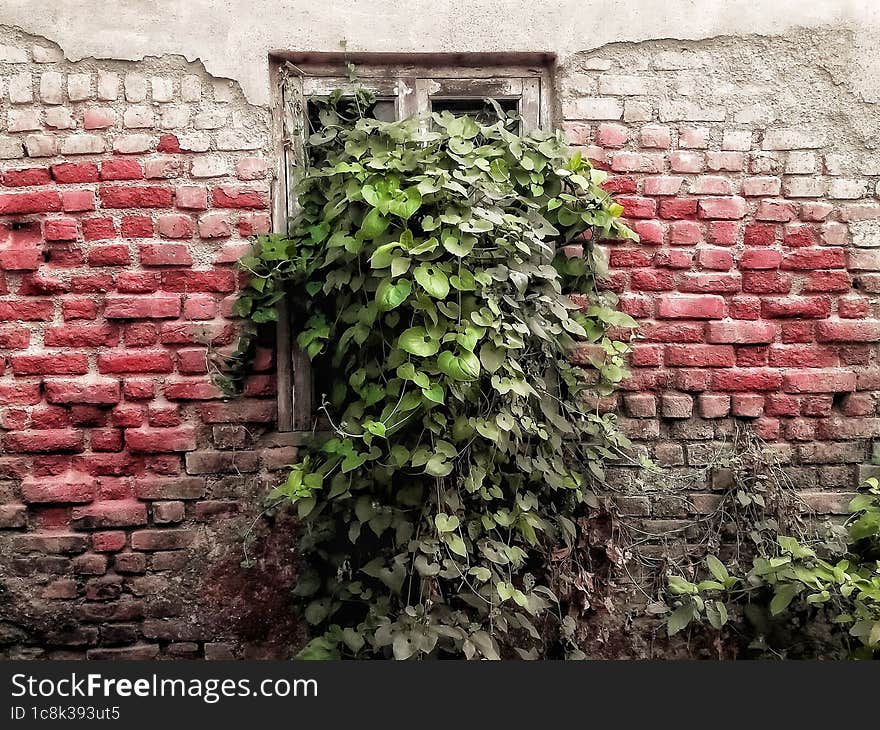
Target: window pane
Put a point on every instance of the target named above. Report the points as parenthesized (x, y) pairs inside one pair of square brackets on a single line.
[(479, 109)]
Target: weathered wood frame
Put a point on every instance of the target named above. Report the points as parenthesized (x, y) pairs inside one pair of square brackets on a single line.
[(413, 87)]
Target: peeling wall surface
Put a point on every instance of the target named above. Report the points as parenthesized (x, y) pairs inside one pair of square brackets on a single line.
[(136, 159)]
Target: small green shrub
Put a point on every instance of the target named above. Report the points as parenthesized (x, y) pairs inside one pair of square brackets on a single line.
[(830, 582)]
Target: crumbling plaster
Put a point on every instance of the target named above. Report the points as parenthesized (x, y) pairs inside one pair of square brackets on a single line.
[(233, 38)]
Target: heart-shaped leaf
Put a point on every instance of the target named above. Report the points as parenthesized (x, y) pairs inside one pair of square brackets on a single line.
[(464, 367), (417, 341), (390, 295), (433, 280), (446, 523)]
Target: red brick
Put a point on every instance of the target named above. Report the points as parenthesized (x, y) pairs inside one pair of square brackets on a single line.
[(192, 389), (27, 177), (235, 197), (112, 255), (215, 280), (96, 391), (766, 282), (48, 441), (135, 362), (137, 226), (740, 332), (802, 355), (718, 259), (711, 282), (55, 364), (815, 258), (760, 258), (75, 173), (175, 226), (713, 356), (26, 310), (713, 405), (77, 201), (96, 229), (746, 379), (747, 405), (136, 197), (818, 381), (678, 208), (154, 307), (827, 281), (121, 168), (707, 306), (848, 331), (160, 440), (60, 229), (169, 144), (817, 307), (107, 514), (171, 254), (44, 201), (723, 208), (69, 488), (81, 336)]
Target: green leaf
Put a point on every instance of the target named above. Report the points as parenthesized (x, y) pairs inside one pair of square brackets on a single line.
[(390, 294), (373, 225), (460, 247), (783, 596), (679, 619), (433, 280), (492, 357), (464, 367), (716, 567), (417, 341), (446, 523)]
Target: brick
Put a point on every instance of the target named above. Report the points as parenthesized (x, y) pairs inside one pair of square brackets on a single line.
[(819, 381), (676, 405), (56, 364), (848, 331), (109, 514), (215, 225), (168, 512), (713, 405), (175, 226), (694, 355), (193, 197), (69, 488), (708, 306), (136, 197), (723, 208), (747, 379), (50, 542), (169, 539), (134, 362), (740, 332), (640, 405), (133, 307), (161, 440), (594, 108), (795, 306)]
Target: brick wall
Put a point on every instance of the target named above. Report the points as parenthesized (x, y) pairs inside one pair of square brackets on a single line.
[(749, 172), (130, 489), (127, 192)]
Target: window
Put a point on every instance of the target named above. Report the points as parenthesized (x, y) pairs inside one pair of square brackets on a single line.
[(519, 84)]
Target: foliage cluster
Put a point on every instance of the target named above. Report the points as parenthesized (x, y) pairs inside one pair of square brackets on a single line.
[(429, 272), (830, 580)]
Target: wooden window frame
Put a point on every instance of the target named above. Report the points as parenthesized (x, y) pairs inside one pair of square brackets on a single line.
[(413, 83)]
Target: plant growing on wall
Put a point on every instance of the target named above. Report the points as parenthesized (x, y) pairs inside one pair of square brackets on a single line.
[(823, 588), (433, 292)]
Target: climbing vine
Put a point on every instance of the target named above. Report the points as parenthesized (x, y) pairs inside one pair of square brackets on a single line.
[(443, 278)]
